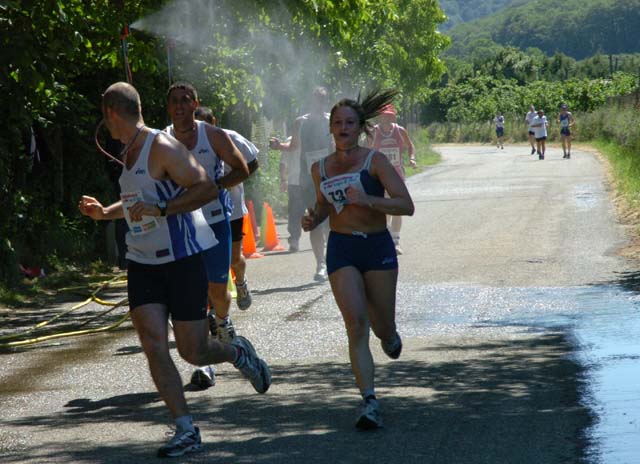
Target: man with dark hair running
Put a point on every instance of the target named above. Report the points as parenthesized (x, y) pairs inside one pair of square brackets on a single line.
[(204, 377), (311, 137), (361, 257), (163, 188), (213, 149)]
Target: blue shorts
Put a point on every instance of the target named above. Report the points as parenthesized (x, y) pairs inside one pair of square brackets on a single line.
[(218, 258), (565, 131), (370, 252), (179, 285), (500, 131)]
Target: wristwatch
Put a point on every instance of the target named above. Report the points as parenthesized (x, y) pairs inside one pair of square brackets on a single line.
[(162, 206)]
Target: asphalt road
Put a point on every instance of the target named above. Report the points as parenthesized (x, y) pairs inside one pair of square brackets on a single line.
[(494, 232)]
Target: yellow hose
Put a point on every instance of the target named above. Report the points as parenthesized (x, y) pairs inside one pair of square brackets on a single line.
[(115, 282), (33, 341)]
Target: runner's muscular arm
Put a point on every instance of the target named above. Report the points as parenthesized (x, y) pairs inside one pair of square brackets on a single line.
[(169, 159), (399, 202), (229, 153), (320, 211)]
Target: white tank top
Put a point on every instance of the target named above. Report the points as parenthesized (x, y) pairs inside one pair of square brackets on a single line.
[(170, 238), (220, 208), (250, 153)]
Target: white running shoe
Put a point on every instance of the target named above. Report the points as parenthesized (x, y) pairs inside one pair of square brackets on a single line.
[(251, 366), (203, 377), (369, 417), (243, 299), (181, 443), (321, 273)]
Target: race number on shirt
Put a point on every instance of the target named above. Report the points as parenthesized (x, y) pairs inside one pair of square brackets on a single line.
[(147, 224), (393, 154), (313, 156), (335, 188)]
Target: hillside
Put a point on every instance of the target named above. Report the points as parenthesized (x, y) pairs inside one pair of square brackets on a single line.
[(578, 28), (462, 11)]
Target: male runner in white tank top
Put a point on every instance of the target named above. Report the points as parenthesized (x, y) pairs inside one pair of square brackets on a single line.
[(213, 148), (163, 187)]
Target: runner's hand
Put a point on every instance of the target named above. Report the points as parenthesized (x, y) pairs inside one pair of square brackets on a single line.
[(274, 143), (356, 197), (91, 207), (309, 220), (412, 163), (141, 208)]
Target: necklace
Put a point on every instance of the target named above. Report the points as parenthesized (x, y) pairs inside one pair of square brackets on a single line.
[(125, 150), (191, 129)]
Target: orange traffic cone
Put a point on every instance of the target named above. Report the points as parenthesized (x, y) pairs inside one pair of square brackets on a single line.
[(252, 216), (271, 242), (248, 241)]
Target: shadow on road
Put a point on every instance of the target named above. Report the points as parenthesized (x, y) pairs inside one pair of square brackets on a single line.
[(514, 401)]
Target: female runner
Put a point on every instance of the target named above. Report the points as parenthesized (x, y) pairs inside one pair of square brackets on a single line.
[(361, 259)]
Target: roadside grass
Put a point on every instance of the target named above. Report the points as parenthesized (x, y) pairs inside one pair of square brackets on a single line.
[(625, 165), (425, 155)]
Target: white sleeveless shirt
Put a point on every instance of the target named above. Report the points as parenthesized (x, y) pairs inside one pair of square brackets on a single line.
[(170, 238), (219, 209)]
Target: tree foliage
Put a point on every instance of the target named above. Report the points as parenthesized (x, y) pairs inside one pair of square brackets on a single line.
[(59, 56), (578, 28)]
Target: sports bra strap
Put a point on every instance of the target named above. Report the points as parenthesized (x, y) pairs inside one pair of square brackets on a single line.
[(367, 162), (323, 173)]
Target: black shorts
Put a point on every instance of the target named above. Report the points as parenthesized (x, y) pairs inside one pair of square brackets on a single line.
[(236, 229), (179, 285), (500, 131), (565, 131), (365, 252), (532, 133), (540, 139)]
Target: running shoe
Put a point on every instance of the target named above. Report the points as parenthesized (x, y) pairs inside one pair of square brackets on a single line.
[(225, 331), (369, 417), (399, 250), (568, 155), (243, 299), (182, 442), (393, 347), (321, 273), (251, 366), (533, 151), (293, 247), (203, 377)]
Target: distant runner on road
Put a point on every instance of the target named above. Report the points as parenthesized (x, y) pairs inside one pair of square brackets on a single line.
[(528, 119), (499, 122), (163, 188), (393, 140), (539, 125), (566, 121), (361, 258)]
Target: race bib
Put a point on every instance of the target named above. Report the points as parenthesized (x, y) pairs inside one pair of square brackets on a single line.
[(317, 155), (335, 189), (392, 154), (564, 122), (147, 224)]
